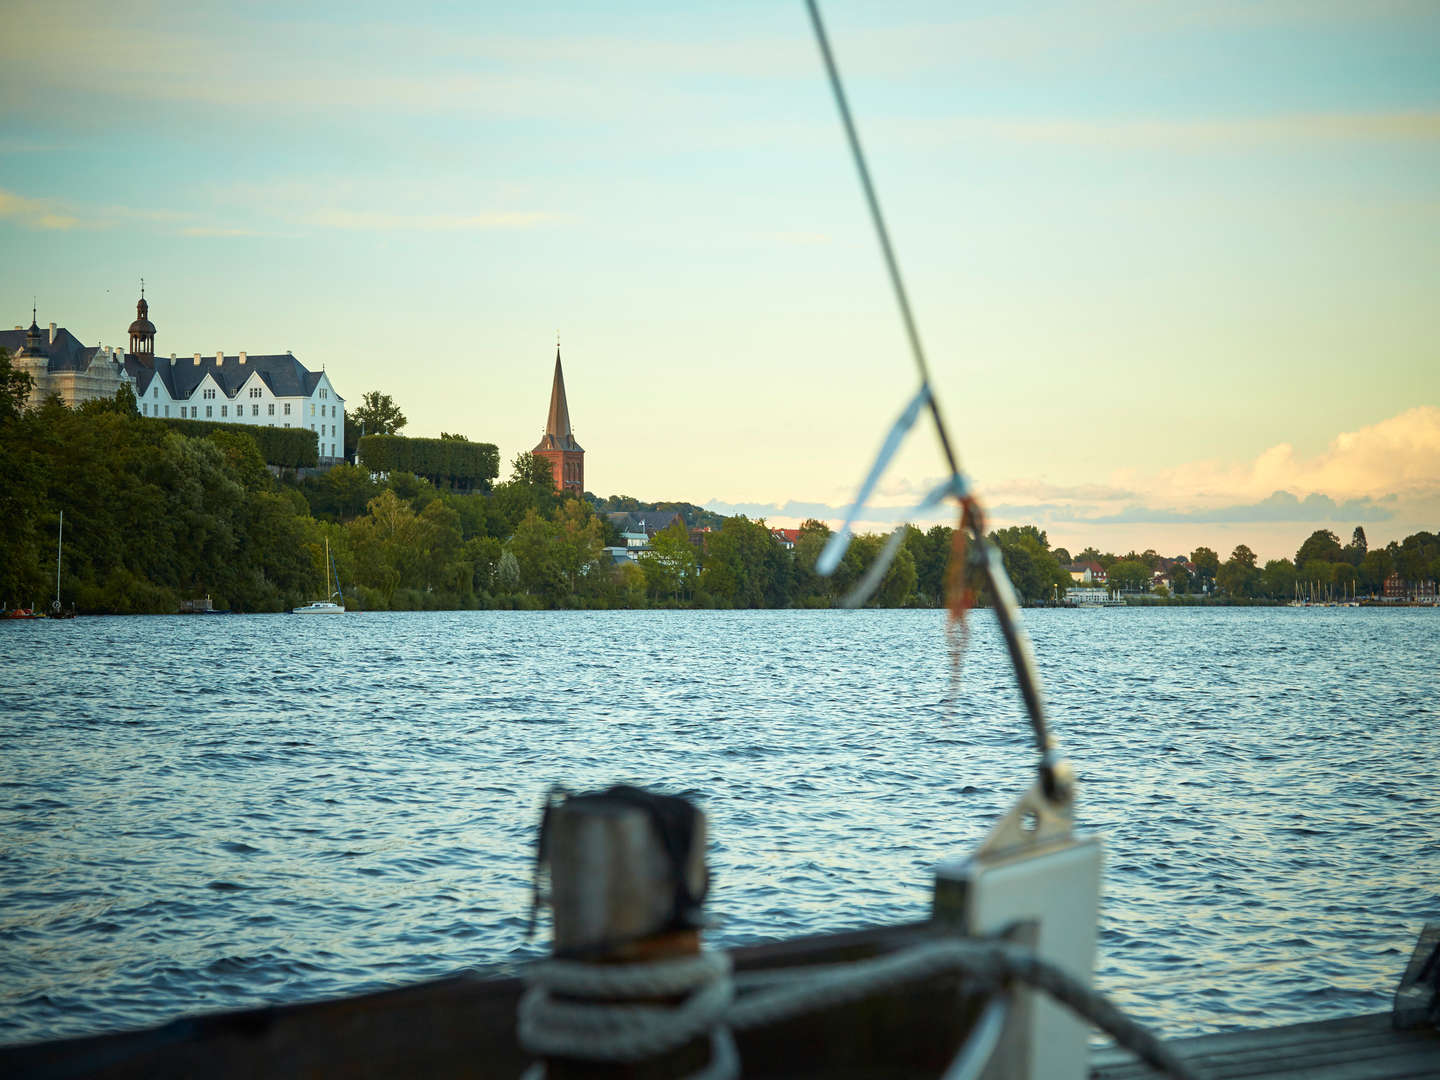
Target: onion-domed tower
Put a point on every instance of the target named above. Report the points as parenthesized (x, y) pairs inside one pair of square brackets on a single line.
[(142, 332)]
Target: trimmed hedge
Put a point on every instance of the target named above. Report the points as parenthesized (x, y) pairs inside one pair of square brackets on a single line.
[(460, 466), (289, 448)]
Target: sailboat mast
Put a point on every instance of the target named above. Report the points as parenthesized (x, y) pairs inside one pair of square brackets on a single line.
[(59, 544)]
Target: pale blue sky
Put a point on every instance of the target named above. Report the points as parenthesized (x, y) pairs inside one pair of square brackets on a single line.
[(1150, 245)]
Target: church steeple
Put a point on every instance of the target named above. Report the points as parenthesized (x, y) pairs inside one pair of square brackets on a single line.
[(557, 424), (558, 445)]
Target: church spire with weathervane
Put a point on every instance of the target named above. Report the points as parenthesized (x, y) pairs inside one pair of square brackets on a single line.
[(558, 445)]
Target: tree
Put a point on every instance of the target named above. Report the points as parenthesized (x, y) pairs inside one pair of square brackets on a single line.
[(378, 414), (1207, 565), (448, 437), (15, 388), (1244, 556), (1238, 576), (1358, 546), (1322, 544), (1129, 575), (669, 565), (1180, 578), (1374, 569), (531, 469), (1277, 580)]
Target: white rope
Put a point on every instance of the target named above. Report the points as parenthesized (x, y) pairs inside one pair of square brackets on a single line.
[(616, 1028), (623, 1031)]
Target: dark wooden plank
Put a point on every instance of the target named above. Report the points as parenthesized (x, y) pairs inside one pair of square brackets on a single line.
[(1350, 1048), (465, 1026)]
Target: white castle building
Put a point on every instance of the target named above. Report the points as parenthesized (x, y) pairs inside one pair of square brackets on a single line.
[(272, 390)]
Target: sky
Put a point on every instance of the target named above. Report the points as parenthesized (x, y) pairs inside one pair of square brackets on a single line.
[(1175, 266)]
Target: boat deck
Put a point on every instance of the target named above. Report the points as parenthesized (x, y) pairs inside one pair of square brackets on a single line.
[(1350, 1048)]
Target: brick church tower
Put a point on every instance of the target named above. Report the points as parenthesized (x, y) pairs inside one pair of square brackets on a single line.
[(558, 447)]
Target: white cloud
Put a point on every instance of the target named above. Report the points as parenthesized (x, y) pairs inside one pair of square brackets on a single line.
[(370, 219), (35, 213)]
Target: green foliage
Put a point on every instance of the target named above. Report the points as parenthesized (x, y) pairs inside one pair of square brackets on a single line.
[(1207, 565), (15, 388), (377, 415), (286, 448), (670, 564), (456, 464), (1129, 575), (1321, 544), (1035, 573)]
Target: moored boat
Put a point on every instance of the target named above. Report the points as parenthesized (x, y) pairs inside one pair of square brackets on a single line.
[(327, 606)]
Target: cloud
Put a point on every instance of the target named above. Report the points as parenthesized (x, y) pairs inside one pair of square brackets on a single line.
[(373, 220), (1195, 133), (1281, 506), (35, 213), (1385, 472), (219, 231), (1399, 455)]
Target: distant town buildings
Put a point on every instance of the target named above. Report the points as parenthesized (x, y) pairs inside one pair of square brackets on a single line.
[(273, 390), (558, 445)]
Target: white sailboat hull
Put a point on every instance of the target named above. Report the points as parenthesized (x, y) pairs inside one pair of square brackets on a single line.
[(319, 607)]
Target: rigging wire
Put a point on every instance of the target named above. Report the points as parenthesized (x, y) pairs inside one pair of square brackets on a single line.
[(1054, 777)]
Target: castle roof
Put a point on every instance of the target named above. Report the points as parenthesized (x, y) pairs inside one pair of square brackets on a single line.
[(283, 374), (66, 353)]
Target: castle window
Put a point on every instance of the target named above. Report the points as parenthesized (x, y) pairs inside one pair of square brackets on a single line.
[(209, 411), (167, 410), (272, 408), (155, 393), (287, 411), (222, 409), (145, 409), (312, 408), (254, 410)]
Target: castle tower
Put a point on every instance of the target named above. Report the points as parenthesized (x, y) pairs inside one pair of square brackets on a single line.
[(558, 446), (142, 332)]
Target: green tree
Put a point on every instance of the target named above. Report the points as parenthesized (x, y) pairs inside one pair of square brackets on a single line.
[(1277, 580), (1180, 579), (1321, 544), (1129, 575), (1207, 566), (1374, 569), (1358, 546), (16, 386), (378, 414), (670, 563)]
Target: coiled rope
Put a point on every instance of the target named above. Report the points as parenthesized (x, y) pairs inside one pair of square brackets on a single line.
[(608, 1025)]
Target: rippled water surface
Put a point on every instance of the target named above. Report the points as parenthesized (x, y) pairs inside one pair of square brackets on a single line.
[(209, 813)]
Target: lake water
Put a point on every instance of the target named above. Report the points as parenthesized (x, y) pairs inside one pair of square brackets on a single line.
[(209, 813)]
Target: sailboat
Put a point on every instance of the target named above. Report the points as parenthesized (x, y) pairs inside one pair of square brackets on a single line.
[(55, 610), (327, 606)]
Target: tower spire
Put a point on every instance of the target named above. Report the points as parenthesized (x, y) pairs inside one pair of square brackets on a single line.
[(558, 422)]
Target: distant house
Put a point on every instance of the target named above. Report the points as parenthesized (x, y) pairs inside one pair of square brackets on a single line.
[(1397, 588), (1087, 573), (646, 522), (786, 538)]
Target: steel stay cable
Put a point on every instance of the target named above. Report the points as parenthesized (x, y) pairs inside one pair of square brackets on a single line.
[(1006, 609)]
